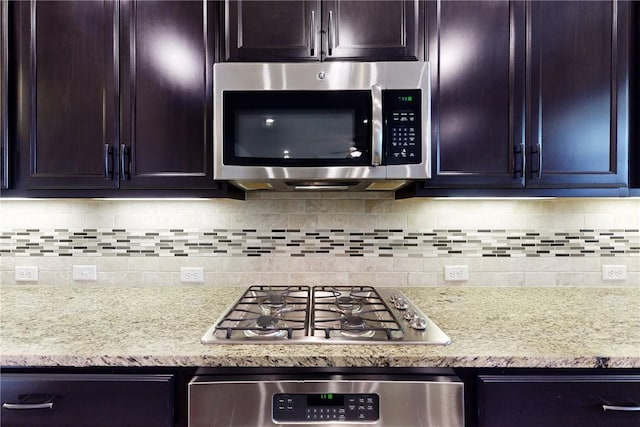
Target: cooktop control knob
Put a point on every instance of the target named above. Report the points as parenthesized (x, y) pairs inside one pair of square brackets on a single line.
[(410, 315), (401, 303), (419, 323), (394, 298)]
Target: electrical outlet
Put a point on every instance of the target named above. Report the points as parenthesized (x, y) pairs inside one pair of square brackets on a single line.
[(614, 272), (454, 273), (87, 273), (26, 274), (192, 274)]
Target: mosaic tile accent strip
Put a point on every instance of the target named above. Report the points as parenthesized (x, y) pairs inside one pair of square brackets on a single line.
[(310, 243)]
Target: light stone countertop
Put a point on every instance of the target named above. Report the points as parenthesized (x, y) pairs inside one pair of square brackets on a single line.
[(162, 326)]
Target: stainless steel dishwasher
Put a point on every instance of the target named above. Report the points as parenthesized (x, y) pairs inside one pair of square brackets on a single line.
[(327, 400)]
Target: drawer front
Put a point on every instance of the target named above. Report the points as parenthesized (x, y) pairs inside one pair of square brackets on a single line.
[(564, 400), (86, 400)]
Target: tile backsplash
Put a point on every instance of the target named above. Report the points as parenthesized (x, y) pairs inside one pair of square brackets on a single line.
[(336, 238)]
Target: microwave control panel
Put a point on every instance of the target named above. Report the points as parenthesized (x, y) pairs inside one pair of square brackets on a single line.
[(402, 126), (326, 408)]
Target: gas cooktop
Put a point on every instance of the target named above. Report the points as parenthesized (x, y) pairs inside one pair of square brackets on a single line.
[(324, 315)]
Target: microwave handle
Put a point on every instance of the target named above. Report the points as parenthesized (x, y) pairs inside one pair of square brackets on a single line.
[(376, 125)]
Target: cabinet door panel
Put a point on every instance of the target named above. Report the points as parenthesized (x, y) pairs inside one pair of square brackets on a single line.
[(579, 100), (166, 85), (475, 51), (66, 81), (272, 30), (373, 30), (4, 86), (534, 401), (88, 400)]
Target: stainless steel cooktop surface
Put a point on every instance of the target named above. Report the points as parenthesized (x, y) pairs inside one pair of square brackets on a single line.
[(324, 315)]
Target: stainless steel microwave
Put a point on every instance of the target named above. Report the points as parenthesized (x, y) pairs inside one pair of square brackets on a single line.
[(326, 125)]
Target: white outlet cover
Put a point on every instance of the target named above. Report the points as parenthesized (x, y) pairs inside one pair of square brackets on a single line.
[(614, 272), (455, 273), (26, 273), (85, 273), (192, 274)]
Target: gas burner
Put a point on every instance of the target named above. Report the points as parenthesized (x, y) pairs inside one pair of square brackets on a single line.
[(266, 326), (355, 326), (348, 304), (275, 303)]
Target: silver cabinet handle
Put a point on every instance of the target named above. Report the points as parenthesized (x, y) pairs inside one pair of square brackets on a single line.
[(312, 35), (539, 146), (621, 408), (523, 167), (106, 161), (123, 151), (331, 34), (376, 125), (523, 147), (22, 406)]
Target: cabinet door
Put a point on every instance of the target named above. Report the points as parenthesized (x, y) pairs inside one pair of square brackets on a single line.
[(523, 401), (476, 52), (373, 30), (66, 85), (578, 90), (272, 30), (4, 86), (166, 95), (634, 140), (85, 400)]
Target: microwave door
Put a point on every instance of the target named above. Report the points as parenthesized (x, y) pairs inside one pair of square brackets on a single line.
[(302, 129)]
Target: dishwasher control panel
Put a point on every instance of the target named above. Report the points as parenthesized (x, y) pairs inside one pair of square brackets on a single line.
[(320, 408)]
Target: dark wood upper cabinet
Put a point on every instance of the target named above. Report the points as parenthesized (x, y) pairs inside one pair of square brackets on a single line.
[(271, 30), (529, 94), (66, 79), (634, 149), (113, 95), (476, 52), (323, 30), (578, 91), (166, 95), (4, 87)]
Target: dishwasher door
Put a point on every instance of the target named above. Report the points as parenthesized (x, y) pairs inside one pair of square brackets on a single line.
[(339, 402)]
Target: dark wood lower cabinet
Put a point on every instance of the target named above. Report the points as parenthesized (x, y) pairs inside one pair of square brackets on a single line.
[(558, 400), (87, 400)]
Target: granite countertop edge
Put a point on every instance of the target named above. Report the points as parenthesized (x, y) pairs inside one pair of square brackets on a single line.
[(147, 361)]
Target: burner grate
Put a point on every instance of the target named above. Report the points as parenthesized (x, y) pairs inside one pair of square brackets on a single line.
[(267, 312), (354, 312)]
